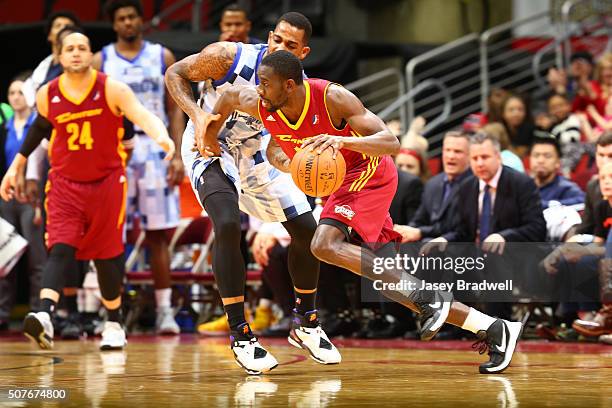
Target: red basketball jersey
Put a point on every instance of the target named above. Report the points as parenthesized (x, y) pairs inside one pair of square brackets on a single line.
[(86, 141), (313, 121)]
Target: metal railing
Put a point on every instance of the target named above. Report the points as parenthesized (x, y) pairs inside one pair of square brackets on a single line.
[(379, 90)]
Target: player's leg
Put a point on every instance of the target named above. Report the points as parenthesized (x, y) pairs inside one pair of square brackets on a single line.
[(38, 326), (157, 206), (330, 245), (304, 270), (220, 200), (110, 280), (74, 278)]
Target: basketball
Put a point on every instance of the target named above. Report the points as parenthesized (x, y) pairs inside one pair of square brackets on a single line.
[(318, 175)]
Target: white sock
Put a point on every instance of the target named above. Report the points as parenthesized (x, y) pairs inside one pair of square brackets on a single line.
[(163, 298), (265, 303), (477, 321)]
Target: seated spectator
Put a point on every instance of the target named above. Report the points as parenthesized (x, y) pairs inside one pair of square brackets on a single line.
[(601, 323), (581, 66), (603, 155), (509, 158), (413, 162), (23, 217), (597, 91), (544, 164), (235, 25), (434, 217), (603, 123), (518, 123), (475, 121)]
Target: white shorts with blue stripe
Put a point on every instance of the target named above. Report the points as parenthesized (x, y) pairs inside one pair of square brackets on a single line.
[(264, 192), (149, 196)]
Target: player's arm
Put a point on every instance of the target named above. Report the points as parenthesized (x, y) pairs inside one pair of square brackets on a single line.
[(96, 62), (121, 98), (242, 98), (277, 157), (376, 139), (212, 63), (13, 183), (176, 119)]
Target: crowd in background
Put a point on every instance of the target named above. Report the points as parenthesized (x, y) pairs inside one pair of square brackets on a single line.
[(511, 174)]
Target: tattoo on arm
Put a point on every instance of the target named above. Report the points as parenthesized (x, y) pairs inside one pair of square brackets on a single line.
[(212, 63), (277, 157)]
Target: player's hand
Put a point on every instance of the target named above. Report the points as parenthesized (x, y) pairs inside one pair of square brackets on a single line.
[(262, 245), (176, 172), (438, 244), (409, 234), (32, 192), (205, 143), (321, 142), (168, 146), (494, 243), (550, 263), (11, 187)]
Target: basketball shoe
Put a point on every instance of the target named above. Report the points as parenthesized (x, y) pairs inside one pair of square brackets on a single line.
[(306, 333), (249, 354), (433, 313), (165, 322), (500, 341), (113, 337), (38, 327)]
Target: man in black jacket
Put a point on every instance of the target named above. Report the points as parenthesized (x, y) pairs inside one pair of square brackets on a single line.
[(433, 217), (495, 206)]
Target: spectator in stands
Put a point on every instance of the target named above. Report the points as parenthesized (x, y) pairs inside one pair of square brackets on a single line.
[(433, 218), (49, 68), (509, 158), (581, 68), (518, 123), (21, 215), (567, 127), (601, 323), (495, 206), (474, 122), (603, 155), (597, 91), (544, 164), (235, 25), (603, 123), (413, 162)]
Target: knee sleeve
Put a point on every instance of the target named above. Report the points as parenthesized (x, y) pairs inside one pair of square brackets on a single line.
[(110, 276), (61, 259)]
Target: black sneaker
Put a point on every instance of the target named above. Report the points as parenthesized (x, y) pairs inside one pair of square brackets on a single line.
[(434, 313), (500, 341), (72, 330)]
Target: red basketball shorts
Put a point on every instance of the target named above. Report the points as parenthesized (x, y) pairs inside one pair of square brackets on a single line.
[(362, 202), (87, 216)]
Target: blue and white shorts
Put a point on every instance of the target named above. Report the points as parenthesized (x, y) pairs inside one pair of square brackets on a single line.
[(149, 196), (264, 191)]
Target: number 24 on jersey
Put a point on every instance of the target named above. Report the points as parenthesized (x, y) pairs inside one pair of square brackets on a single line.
[(79, 136)]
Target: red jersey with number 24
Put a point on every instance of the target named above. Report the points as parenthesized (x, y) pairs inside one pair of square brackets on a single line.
[(86, 143)]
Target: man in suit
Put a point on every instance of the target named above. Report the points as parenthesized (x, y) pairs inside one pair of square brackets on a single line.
[(433, 217), (495, 206)]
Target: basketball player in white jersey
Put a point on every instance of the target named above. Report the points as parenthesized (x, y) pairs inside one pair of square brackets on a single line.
[(243, 178), (152, 194)]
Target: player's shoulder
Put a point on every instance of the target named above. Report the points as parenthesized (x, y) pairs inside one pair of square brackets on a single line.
[(336, 94)]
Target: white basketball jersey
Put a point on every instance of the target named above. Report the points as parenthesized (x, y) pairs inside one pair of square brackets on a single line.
[(144, 74)]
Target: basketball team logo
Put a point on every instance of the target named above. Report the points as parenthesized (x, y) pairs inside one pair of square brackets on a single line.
[(315, 119), (345, 211)]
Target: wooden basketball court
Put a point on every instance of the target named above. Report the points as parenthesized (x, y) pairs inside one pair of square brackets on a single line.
[(189, 371)]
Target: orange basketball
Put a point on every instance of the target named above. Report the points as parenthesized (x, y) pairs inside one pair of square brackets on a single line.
[(318, 175)]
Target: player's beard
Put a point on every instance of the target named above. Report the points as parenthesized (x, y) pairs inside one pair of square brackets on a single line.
[(76, 70), (274, 107)]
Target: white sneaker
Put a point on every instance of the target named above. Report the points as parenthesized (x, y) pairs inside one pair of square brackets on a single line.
[(249, 354), (38, 327), (313, 339), (113, 337), (165, 323)]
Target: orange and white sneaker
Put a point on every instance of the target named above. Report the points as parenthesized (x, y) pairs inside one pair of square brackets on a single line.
[(306, 333), (249, 354)]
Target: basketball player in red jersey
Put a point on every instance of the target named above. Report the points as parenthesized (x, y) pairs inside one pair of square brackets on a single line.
[(317, 115), (86, 190)]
